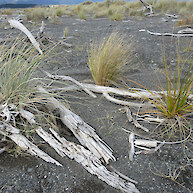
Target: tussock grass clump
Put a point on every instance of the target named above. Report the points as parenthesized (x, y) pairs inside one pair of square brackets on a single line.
[(108, 57), (176, 101), (167, 6), (36, 14), (19, 60), (82, 14), (186, 21), (112, 9), (116, 13), (6, 12)]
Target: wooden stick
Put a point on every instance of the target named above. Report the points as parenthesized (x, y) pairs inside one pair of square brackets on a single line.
[(68, 78), (170, 34), (132, 148), (132, 120)]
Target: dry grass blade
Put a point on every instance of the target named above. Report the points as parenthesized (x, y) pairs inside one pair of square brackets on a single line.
[(108, 57)]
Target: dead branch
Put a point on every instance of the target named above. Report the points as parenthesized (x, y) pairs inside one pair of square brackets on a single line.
[(82, 131), (151, 150), (14, 134), (16, 24), (146, 143), (147, 6), (121, 102), (132, 120), (68, 78), (169, 34), (88, 160)]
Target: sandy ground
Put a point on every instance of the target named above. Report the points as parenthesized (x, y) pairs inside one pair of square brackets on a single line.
[(29, 174)]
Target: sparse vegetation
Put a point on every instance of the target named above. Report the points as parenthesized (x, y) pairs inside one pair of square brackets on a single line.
[(18, 63), (186, 21), (108, 57), (114, 10), (6, 12), (36, 14), (175, 102)]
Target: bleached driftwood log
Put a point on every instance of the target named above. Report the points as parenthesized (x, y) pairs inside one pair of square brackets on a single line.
[(16, 24), (30, 117), (170, 34), (88, 160), (81, 130), (14, 134), (129, 92)]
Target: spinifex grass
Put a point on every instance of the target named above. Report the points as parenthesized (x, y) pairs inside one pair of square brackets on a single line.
[(108, 57)]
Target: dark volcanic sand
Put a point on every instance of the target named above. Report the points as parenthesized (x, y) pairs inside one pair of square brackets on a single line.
[(28, 174)]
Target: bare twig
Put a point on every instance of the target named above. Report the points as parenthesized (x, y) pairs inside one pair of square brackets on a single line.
[(123, 176), (132, 148), (132, 120), (68, 78)]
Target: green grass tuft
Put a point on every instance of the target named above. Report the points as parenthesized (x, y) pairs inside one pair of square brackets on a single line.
[(18, 61)]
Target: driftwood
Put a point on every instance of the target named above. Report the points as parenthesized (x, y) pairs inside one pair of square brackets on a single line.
[(132, 120), (147, 6), (170, 34), (171, 16), (146, 143), (68, 78), (149, 151), (14, 134), (186, 31), (132, 147), (17, 24), (82, 131), (88, 160), (91, 160)]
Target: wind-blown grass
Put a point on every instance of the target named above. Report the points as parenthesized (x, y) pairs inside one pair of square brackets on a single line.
[(108, 57), (19, 60)]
